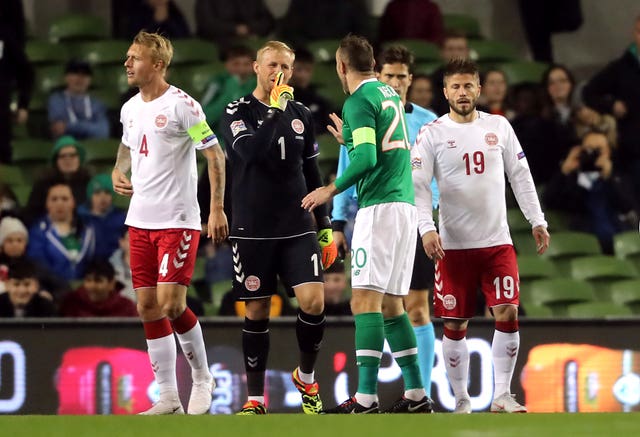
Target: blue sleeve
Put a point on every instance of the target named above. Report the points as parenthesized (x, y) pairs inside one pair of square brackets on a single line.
[(36, 246), (343, 200), (435, 194), (56, 108)]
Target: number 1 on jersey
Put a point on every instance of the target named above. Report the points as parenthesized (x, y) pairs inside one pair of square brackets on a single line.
[(144, 150), (282, 150)]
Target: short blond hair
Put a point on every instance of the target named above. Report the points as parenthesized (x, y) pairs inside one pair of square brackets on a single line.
[(161, 48), (278, 46)]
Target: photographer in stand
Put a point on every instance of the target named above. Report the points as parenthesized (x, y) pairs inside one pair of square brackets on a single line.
[(595, 194)]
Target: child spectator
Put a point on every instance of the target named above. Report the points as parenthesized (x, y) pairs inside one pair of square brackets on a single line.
[(99, 295), (99, 212), (22, 298), (335, 289)]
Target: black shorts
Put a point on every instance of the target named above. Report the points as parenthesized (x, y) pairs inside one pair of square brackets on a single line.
[(258, 264), (423, 269)]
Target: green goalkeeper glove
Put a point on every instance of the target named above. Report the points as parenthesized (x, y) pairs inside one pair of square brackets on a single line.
[(328, 246), (280, 94)]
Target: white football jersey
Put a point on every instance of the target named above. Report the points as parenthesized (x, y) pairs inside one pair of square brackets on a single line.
[(469, 162), (163, 135)]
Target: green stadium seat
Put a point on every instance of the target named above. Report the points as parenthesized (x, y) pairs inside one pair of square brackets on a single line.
[(194, 79), (111, 77), (557, 220), (558, 293), (193, 51), (626, 245), (199, 269), (516, 221), (29, 151), (537, 311), (627, 293), (77, 27), (22, 193), (12, 175), (47, 79), (532, 268), (103, 52), (422, 50), (324, 50), (484, 51), (121, 202), (464, 23), (41, 52), (600, 271), (597, 310), (426, 67), (523, 71), (566, 245), (101, 151), (524, 243)]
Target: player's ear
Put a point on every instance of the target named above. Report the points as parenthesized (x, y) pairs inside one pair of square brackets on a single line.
[(255, 67)]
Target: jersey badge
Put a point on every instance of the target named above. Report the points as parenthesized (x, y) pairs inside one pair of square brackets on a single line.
[(449, 302), (252, 283), (297, 125), (521, 154), (416, 163), (451, 144), (237, 127), (491, 139), (161, 121)]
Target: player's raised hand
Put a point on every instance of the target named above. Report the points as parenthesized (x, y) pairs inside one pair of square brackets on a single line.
[(121, 183), (280, 93), (542, 237), (318, 197), (432, 245), (217, 226), (337, 130)]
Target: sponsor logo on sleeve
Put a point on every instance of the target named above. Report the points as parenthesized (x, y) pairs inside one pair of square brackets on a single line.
[(521, 155), (416, 163), (237, 127), (211, 137)]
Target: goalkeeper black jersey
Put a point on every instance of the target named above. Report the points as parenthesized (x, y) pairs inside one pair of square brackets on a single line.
[(273, 165)]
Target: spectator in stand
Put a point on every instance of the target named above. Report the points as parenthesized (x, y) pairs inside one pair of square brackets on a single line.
[(16, 73), (13, 249), (73, 110), (228, 23), (161, 16), (121, 264), (8, 201), (537, 134), (67, 158), (336, 301), (23, 298), (99, 295), (593, 191), (559, 105), (99, 212), (616, 90), (421, 91), (494, 93), (411, 19), (236, 81), (454, 45), (343, 17), (306, 92), (60, 239)]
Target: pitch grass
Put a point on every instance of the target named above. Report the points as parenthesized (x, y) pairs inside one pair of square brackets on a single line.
[(299, 425)]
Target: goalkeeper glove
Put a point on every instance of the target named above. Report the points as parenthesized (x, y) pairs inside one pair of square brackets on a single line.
[(280, 94), (328, 246)]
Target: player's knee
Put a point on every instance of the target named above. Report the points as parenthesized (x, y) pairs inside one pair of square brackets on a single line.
[(148, 310), (313, 305), (173, 309), (505, 313), (418, 315)]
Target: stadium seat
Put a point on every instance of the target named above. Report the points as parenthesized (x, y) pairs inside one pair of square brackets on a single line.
[(22, 192), (600, 271), (531, 268), (328, 146), (47, 79), (626, 245), (524, 243), (627, 293), (324, 50), (30, 151), (111, 77), (464, 23), (537, 311), (41, 52), (484, 51), (597, 310), (77, 27), (427, 67), (557, 220), (566, 245), (516, 221), (103, 52), (193, 51), (422, 50), (194, 79), (12, 175), (523, 71), (101, 151), (558, 293), (121, 202)]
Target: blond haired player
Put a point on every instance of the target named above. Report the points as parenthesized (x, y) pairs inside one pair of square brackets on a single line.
[(162, 129), (469, 152)]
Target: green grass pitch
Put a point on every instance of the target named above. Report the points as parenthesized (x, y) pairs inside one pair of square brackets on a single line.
[(281, 425)]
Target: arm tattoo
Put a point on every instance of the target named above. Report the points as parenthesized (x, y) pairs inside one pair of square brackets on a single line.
[(215, 166), (123, 159)]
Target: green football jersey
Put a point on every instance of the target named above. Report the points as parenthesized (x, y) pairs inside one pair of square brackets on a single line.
[(374, 114)]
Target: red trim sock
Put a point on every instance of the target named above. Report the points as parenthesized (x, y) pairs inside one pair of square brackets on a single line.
[(157, 328), (455, 335), (508, 327), (184, 322)]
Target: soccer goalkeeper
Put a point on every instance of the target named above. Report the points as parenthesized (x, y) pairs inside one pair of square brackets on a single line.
[(272, 152)]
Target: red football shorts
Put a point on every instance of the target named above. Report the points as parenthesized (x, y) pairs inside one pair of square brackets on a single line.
[(162, 256), (459, 275)]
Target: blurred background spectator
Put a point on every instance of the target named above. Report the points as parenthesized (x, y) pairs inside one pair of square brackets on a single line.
[(411, 19), (454, 45), (421, 91), (23, 298), (493, 95), (336, 300), (161, 16), (229, 23), (73, 110), (120, 262)]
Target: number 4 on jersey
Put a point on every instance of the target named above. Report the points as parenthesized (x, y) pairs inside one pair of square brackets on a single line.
[(144, 150)]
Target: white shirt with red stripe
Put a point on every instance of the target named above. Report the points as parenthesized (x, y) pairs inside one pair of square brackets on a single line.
[(164, 174), (469, 162)]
